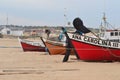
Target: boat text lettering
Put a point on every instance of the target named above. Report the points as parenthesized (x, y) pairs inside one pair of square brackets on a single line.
[(95, 41)]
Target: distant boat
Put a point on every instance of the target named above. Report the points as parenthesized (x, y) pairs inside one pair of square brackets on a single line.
[(109, 34), (55, 47), (31, 45)]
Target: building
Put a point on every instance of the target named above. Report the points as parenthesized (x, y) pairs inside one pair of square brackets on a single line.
[(11, 31)]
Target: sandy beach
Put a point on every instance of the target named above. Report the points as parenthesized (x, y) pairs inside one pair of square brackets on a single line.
[(18, 65)]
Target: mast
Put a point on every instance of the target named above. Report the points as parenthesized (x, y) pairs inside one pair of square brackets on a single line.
[(105, 22), (103, 26), (7, 20), (104, 17), (65, 16)]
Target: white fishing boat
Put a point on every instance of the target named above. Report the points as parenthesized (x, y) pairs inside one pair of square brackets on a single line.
[(108, 32)]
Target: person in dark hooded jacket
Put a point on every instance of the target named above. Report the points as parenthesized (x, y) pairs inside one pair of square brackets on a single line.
[(79, 26)]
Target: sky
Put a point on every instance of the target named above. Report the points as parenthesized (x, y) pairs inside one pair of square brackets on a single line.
[(51, 12)]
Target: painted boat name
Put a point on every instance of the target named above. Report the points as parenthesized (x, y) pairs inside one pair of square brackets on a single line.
[(95, 41)]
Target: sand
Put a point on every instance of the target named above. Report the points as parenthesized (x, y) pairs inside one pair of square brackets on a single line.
[(18, 65)]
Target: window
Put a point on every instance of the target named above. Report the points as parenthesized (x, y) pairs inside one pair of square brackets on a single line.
[(116, 33), (111, 34), (8, 32)]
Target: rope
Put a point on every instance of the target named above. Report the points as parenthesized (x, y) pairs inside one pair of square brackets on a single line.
[(111, 53), (106, 48)]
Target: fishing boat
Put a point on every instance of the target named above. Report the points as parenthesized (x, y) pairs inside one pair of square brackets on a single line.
[(31, 45), (91, 48), (55, 47), (108, 32)]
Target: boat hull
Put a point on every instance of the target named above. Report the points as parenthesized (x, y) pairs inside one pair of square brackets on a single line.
[(56, 48), (95, 49), (95, 53), (30, 46)]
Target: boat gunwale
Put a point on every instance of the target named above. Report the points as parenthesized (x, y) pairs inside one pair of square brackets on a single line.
[(91, 43)]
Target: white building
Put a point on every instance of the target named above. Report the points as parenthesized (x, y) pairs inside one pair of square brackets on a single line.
[(14, 32)]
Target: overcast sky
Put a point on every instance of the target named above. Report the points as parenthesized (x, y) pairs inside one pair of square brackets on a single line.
[(51, 12)]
